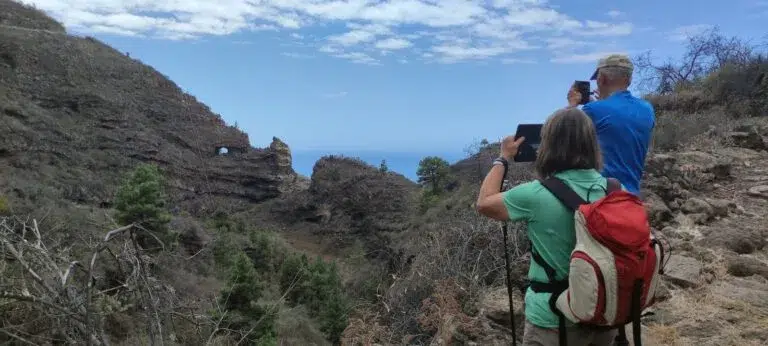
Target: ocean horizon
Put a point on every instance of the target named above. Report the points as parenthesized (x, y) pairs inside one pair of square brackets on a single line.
[(405, 163)]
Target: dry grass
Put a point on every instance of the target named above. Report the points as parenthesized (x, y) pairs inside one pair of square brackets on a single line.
[(703, 317), (704, 129), (659, 334)]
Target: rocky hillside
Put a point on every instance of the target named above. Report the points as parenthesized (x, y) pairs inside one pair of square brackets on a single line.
[(710, 204), (76, 114), (377, 262)]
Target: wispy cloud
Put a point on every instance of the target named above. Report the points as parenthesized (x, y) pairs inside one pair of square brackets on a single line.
[(335, 95), (297, 55), (517, 61), (681, 33), (583, 58), (450, 30)]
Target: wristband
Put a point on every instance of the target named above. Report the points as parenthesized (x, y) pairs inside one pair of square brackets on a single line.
[(501, 161)]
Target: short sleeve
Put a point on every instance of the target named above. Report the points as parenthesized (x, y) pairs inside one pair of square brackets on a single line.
[(518, 201), (594, 113)]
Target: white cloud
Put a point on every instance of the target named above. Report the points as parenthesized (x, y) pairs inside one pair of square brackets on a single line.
[(360, 34), (296, 55), (358, 57), (393, 44), (558, 43), (594, 28), (451, 30), (584, 57), (682, 33), (510, 61)]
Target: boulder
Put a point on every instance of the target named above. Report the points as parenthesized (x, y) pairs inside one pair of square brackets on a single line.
[(658, 212), (495, 306), (721, 207), (699, 218), (660, 164), (697, 206), (744, 266), (753, 293), (758, 191), (683, 271), (736, 239), (749, 140), (707, 163)]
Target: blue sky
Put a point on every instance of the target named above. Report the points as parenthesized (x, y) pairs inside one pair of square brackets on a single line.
[(407, 76)]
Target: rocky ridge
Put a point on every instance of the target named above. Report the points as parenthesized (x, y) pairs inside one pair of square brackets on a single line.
[(74, 109)]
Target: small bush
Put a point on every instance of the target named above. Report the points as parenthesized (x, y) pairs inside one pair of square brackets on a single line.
[(675, 130), (241, 301), (5, 206), (743, 89), (318, 286)]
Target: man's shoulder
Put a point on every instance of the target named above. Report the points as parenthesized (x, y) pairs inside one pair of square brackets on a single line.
[(613, 104)]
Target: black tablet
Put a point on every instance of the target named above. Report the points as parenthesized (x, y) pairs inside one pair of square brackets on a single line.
[(527, 150)]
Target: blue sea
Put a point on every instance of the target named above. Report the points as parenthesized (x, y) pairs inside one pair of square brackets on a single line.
[(405, 163)]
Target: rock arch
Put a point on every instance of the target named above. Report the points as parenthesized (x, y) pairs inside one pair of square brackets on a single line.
[(223, 150)]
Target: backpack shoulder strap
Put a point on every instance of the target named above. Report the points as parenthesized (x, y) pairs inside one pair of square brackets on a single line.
[(564, 193), (613, 185)]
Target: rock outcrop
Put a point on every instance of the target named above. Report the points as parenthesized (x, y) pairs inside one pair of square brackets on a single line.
[(78, 114), (348, 196)]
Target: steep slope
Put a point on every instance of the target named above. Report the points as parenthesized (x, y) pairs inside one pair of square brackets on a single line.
[(76, 114)]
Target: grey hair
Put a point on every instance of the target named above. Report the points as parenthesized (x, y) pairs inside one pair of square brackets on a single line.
[(568, 141), (616, 74)]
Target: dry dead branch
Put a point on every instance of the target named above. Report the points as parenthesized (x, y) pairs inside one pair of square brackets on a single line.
[(47, 281)]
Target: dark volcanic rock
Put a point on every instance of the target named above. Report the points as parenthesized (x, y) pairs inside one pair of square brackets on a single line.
[(359, 197), (737, 239), (77, 115)]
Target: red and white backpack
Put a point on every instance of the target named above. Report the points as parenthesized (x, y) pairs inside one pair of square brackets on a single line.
[(615, 267)]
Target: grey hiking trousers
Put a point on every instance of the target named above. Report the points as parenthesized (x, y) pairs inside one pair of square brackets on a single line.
[(537, 336)]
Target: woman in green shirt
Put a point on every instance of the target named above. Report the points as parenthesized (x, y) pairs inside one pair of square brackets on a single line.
[(569, 150)]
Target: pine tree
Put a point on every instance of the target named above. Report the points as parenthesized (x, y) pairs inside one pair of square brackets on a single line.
[(141, 199)]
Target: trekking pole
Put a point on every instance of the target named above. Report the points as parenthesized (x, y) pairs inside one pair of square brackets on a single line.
[(506, 265)]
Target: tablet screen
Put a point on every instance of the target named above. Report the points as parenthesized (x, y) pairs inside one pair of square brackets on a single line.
[(527, 150)]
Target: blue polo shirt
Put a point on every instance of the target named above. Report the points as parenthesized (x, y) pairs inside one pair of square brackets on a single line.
[(624, 126)]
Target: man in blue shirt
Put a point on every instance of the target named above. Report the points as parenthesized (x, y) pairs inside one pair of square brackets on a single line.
[(624, 123)]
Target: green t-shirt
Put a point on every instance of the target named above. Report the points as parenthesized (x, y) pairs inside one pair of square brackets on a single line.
[(551, 230)]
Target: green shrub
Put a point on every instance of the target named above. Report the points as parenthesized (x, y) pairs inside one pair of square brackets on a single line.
[(141, 199), (266, 251), (5, 206), (428, 200), (240, 298), (433, 173), (317, 286)]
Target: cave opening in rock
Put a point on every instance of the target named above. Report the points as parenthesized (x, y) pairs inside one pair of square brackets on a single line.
[(222, 151)]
